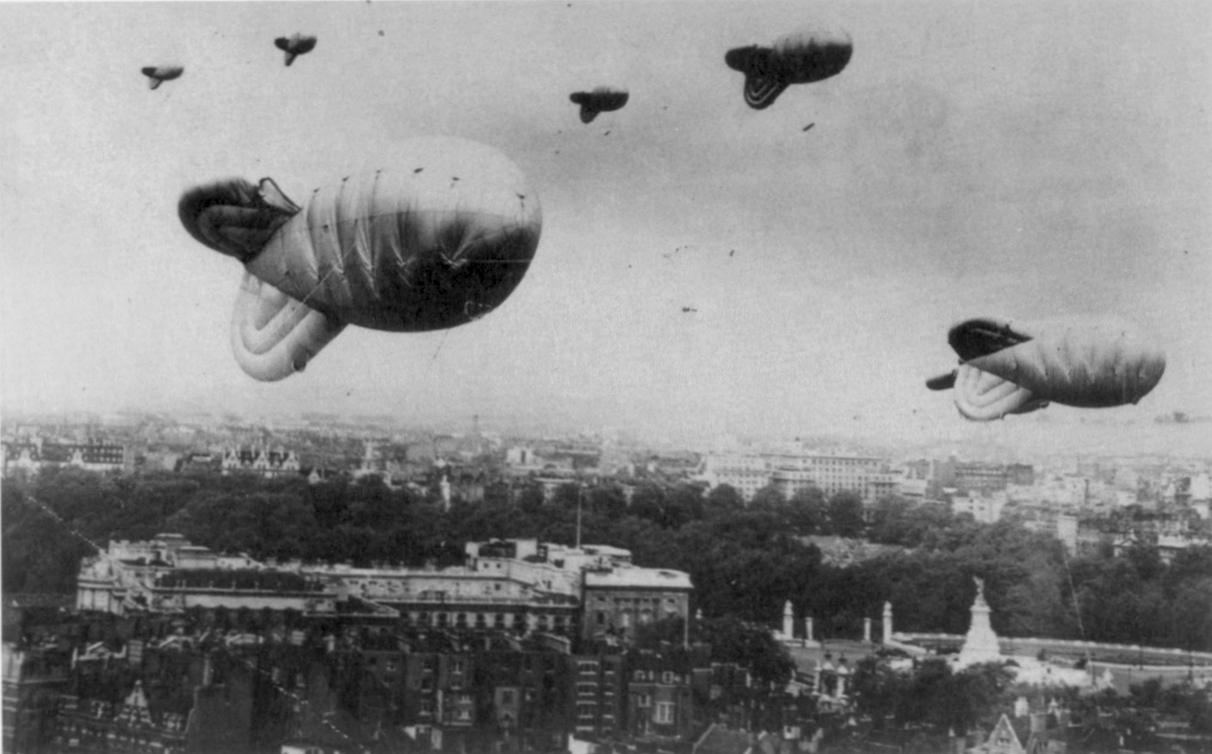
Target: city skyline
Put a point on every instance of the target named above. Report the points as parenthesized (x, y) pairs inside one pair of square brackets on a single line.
[(1013, 158)]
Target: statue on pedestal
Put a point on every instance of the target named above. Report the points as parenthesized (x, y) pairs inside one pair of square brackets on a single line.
[(981, 644)]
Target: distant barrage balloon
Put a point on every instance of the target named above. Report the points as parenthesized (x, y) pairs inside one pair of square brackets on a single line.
[(437, 237), (1013, 368), (158, 74), (803, 58), (603, 99), (295, 45)]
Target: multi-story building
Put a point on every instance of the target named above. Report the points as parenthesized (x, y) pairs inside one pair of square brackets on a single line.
[(982, 476), (601, 696), (523, 586), (985, 508), (619, 600), (526, 699), (745, 473), (866, 476), (789, 471), (32, 682), (35, 454), (659, 698), (266, 463), (170, 575), (461, 597)]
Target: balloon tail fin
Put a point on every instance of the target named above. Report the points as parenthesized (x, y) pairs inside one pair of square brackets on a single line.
[(274, 335), (981, 396)]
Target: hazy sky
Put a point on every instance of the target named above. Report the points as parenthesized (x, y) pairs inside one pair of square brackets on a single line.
[(1019, 158)]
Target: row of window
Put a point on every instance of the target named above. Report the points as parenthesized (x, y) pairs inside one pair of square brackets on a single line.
[(664, 710), (645, 616), (654, 601), (667, 677), (461, 620)]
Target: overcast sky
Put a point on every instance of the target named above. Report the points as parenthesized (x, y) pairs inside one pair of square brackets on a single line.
[(1019, 158)]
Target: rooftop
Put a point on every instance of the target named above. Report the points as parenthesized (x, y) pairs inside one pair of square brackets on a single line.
[(641, 578)]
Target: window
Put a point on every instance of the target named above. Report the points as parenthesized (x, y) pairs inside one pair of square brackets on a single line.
[(667, 677), (643, 701), (587, 666), (664, 712)]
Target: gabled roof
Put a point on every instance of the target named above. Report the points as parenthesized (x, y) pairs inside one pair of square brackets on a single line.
[(1003, 739), (721, 740)]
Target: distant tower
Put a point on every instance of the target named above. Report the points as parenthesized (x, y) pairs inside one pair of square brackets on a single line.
[(444, 485), (443, 481), (887, 622), (369, 456), (788, 621)]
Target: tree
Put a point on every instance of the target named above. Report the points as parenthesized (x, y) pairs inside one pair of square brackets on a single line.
[(722, 500), (769, 499), (683, 504), (879, 690), (808, 510), (648, 502), (753, 646), (608, 501), (846, 514), (531, 498)]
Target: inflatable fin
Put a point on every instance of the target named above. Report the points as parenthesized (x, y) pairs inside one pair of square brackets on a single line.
[(981, 396), (273, 335)]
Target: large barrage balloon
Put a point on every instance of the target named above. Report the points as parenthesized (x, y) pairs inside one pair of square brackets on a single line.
[(158, 74), (1012, 368), (603, 99), (437, 237), (295, 45), (811, 55)]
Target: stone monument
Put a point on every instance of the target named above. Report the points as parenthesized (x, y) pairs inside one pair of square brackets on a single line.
[(980, 645)]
